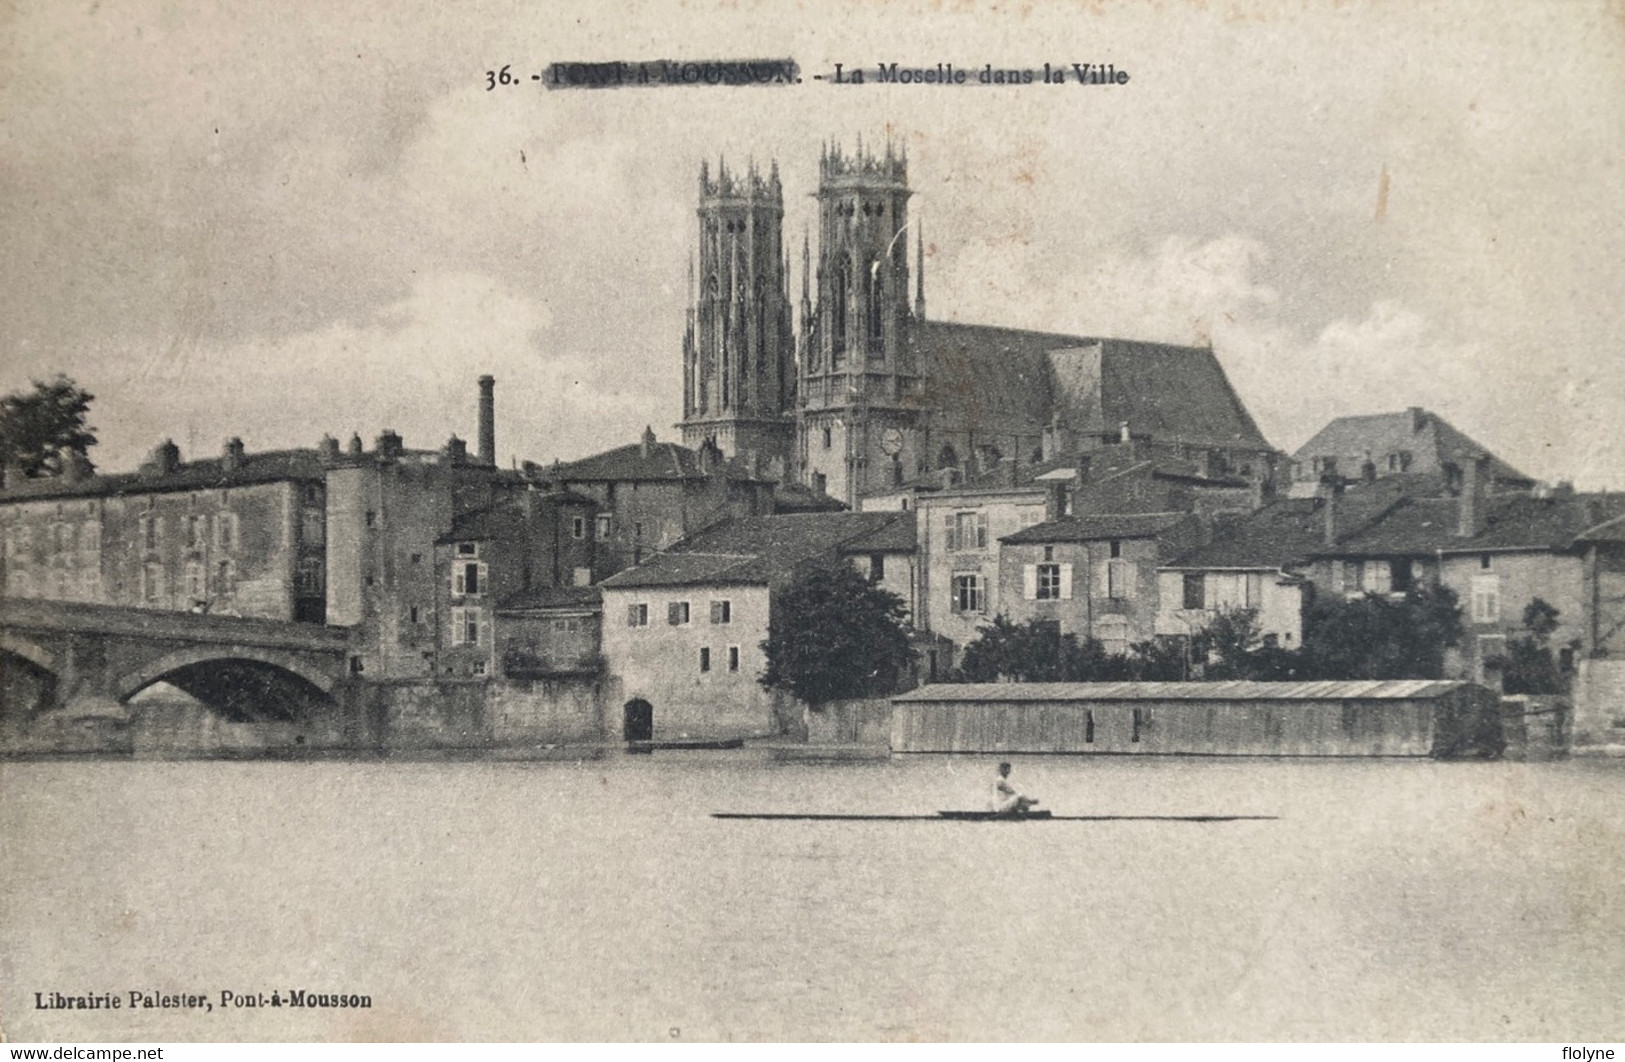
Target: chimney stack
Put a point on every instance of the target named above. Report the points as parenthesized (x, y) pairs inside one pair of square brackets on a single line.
[(165, 459), (1330, 488), (76, 467), (488, 420), (355, 445), (456, 451), (1470, 512), (1055, 499), (647, 448), (231, 459), (328, 449), (389, 444)]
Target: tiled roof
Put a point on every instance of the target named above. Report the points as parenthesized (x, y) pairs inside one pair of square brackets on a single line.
[(897, 536), (1351, 689), (797, 498), (268, 466), (505, 518), (1420, 526), (664, 461), (756, 549), (545, 597), (1608, 531), (1429, 438), (1096, 528), (1291, 530)]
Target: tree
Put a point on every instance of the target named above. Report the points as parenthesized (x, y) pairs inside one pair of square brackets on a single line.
[(835, 636), (40, 429), (1528, 664), (1373, 637)]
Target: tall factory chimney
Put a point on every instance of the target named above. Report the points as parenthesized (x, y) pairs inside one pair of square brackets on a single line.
[(488, 420)]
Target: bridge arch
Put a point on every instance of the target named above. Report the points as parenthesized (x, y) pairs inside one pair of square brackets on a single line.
[(35, 654), (129, 685)]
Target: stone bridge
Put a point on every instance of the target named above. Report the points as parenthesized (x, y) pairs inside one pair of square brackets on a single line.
[(79, 660)]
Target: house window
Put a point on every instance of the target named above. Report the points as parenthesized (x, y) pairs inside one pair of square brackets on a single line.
[(967, 531), (468, 549), (1119, 579), (152, 582), (1400, 580), (152, 531), (637, 615), (1486, 599), (877, 567), (310, 576), (225, 577), (412, 614), (829, 437), (603, 527), (195, 581), (90, 584), (1378, 578), (479, 667), (677, 613), (967, 592), (465, 626), (1048, 582), (1195, 591), (312, 527), (705, 658), (1484, 561), (468, 578), (372, 518), (637, 530), (1115, 549), (722, 612), (225, 531), (733, 658), (578, 527), (194, 532)]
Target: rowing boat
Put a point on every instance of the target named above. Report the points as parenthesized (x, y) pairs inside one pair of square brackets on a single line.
[(983, 816)]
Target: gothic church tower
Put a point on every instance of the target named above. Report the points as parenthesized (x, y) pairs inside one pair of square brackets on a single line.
[(739, 348), (858, 432)]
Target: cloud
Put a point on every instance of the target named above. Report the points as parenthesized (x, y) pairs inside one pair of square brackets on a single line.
[(412, 367)]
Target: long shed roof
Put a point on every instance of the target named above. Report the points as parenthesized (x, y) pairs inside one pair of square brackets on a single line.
[(1349, 690)]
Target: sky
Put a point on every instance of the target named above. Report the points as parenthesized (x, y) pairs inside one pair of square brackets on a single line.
[(278, 221)]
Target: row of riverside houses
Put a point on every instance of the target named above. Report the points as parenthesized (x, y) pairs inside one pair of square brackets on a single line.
[(648, 573), (449, 573)]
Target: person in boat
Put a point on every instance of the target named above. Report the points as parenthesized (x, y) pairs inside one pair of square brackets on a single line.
[(1007, 799)]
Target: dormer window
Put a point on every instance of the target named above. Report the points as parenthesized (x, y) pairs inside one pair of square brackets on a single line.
[(468, 549)]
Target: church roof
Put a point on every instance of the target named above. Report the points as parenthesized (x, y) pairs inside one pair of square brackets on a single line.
[(981, 378)]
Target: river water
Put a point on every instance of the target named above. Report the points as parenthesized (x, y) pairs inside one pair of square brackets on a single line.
[(1389, 900)]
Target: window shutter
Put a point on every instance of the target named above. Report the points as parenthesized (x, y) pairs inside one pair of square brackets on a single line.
[(1029, 582), (631, 615), (948, 531), (457, 579), (1127, 574), (671, 614), (1066, 582), (981, 530)]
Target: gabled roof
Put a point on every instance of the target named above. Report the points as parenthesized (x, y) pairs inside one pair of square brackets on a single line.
[(898, 536), (662, 462), (267, 466), (1430, 440), (1097, 528), (757, 550)]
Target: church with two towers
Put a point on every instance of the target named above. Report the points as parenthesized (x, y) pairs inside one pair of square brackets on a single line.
[(857, 393)]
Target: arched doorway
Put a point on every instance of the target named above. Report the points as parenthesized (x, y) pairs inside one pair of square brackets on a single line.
[(638, 720)]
